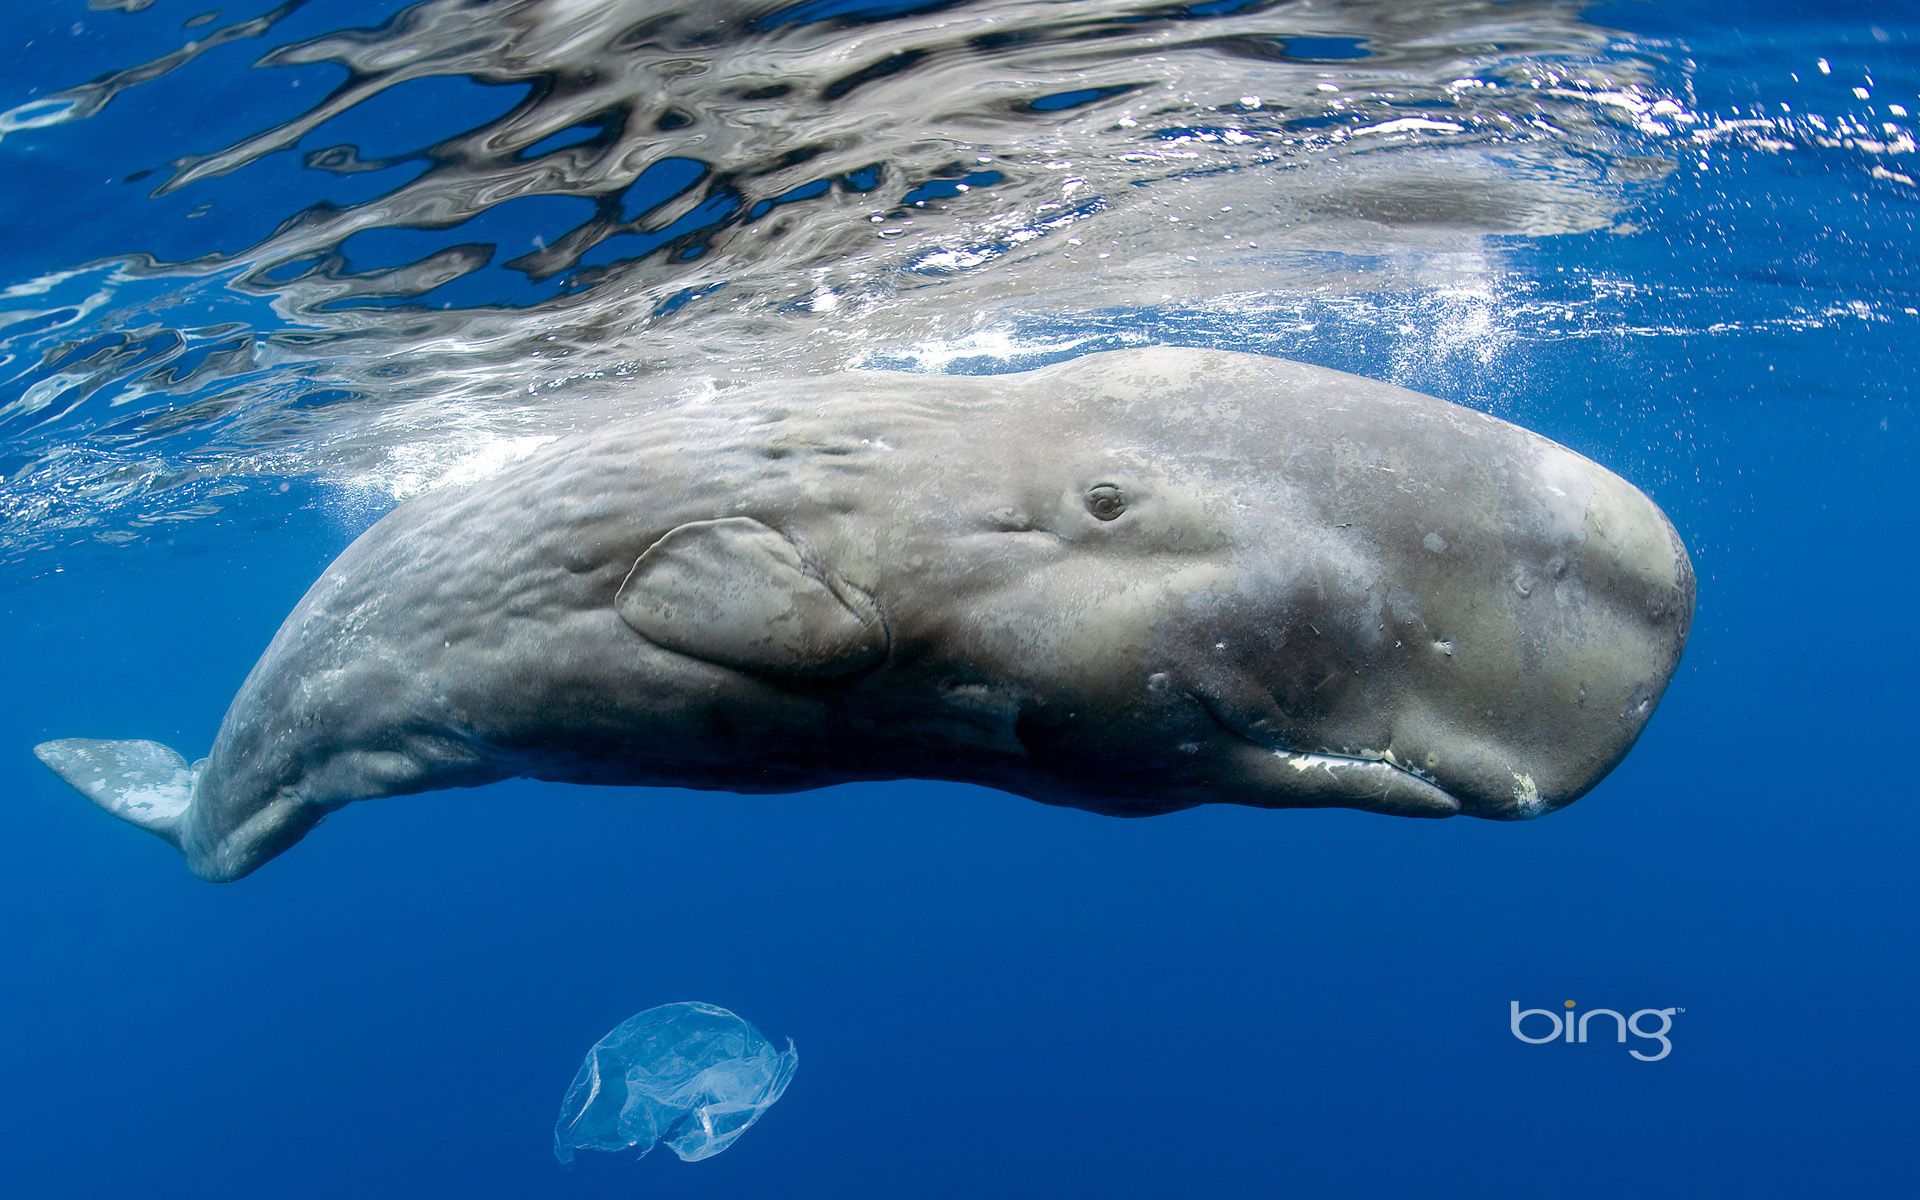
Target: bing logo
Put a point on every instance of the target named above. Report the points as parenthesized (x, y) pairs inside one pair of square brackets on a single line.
[(1538, 1026)]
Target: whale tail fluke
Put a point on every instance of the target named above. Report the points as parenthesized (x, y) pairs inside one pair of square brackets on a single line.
[(143, 783)]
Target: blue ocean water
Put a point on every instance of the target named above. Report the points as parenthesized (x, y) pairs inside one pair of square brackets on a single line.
[(1715, 299)]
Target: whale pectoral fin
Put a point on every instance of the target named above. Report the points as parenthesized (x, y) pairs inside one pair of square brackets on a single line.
[(743, 595), (142, 783)]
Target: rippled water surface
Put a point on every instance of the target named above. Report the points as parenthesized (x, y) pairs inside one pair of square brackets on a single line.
[(375, 243)]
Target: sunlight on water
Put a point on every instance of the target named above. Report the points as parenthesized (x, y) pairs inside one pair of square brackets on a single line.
[(390, 255)]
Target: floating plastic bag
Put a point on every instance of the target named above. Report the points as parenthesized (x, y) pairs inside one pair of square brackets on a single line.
[(691, 1075)]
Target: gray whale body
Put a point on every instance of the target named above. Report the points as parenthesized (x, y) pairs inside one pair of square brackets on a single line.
[(1132, 583)]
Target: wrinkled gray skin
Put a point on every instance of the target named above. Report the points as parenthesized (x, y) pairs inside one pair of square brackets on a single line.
[(1319, 590)]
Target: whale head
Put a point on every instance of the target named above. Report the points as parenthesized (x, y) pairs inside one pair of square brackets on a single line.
[(1212, 578)]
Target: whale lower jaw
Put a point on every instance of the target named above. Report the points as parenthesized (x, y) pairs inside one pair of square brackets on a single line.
[(1374, 784), (1282, 777)]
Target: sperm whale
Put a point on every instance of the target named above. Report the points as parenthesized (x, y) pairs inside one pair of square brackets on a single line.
[(1132, 583)]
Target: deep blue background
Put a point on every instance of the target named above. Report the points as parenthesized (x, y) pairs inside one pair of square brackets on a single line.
[(992, 997)]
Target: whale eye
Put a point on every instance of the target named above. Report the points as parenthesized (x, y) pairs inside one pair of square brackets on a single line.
[(1106, 502)]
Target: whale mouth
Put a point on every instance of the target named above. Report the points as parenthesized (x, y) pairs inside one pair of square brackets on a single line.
[(1375, 782)]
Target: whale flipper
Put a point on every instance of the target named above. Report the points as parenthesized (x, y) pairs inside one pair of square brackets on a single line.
[(741, 594), (143, 783)]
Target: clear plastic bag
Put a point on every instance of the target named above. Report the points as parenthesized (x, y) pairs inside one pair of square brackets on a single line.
[(690, 1075)]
